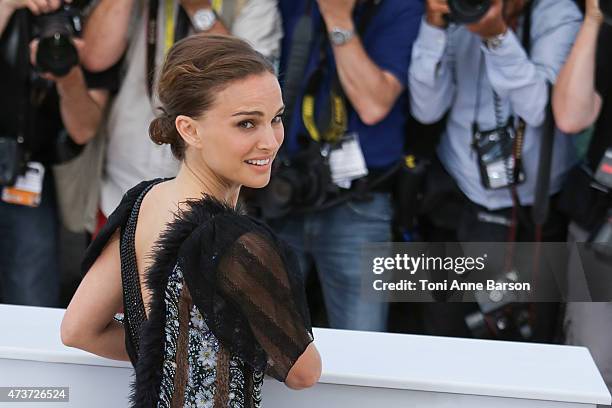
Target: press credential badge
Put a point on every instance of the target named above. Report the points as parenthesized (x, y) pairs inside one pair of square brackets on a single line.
[(347, 162), (28, 187), (604, 171)]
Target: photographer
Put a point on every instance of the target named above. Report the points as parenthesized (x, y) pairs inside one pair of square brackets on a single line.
[(350, 104), (45, 117), (582, 98), (494, 85), (117, 32)]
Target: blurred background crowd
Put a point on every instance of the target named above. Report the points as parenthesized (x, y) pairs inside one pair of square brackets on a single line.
[(405, 120)]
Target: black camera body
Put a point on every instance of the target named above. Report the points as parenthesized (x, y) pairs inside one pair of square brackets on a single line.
[(494, 150), (468, 11), (298, 184), (500, 314), (56, 51)]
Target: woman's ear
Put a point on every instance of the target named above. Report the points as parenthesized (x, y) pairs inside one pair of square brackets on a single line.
[(188, 129)]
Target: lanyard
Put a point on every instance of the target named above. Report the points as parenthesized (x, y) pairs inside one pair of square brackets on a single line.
[(337, 113), (217, 5), (169, 31), (174, 30), (169, 37)]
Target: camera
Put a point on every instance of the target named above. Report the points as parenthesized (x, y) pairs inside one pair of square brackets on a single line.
[(299, 183), (496, 162), (468, 11), (499, 316), (56, 51)]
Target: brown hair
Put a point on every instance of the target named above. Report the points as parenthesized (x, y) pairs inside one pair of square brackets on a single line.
[(195, 70)]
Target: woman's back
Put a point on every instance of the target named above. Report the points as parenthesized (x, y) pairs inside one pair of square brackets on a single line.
[(157, 210)]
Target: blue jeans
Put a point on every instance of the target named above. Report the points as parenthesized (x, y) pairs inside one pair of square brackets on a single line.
[(332, 241), (29, 270)]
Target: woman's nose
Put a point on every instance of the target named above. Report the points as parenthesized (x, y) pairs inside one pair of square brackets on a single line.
[(270, 140)]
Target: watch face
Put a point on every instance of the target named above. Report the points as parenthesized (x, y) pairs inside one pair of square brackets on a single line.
[(204, 19), (339, 37)]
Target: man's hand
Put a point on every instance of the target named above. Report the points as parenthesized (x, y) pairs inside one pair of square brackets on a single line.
[(492, 24), (36, 6), (78, 44), (191, 6), (593, 12), (435, 12), (337, 13)]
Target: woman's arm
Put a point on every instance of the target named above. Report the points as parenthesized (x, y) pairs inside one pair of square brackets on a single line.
[(88, 323), (306, 371)]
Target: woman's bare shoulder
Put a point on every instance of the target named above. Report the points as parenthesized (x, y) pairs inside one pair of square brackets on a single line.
[(156, 211)]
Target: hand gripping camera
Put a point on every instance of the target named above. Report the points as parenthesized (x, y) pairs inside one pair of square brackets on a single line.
[(56, 51)]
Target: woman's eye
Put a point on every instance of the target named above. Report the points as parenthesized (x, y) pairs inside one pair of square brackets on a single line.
[(246, 124), (278, 118)]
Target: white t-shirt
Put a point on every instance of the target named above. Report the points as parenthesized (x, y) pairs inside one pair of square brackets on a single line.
[(131, 156)]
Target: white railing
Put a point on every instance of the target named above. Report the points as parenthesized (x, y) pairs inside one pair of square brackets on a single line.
[(361, 369)]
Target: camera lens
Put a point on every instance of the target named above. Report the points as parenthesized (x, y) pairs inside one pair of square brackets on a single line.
[(56, 51), (468, 11), (281, 191), (56, 54)]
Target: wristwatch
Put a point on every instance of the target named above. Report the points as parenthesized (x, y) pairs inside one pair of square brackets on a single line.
[(204, 19), (493, 43), (339, 36)]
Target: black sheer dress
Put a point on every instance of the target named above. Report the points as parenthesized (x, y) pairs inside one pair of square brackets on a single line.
[(227, 305)]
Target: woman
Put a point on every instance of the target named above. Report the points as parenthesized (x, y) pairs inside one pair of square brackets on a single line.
[(221, 301)]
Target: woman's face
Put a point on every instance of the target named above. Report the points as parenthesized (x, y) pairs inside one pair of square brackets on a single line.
[(241, 133)]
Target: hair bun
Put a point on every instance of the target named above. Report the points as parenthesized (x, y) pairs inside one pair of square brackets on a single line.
[(162, 130)]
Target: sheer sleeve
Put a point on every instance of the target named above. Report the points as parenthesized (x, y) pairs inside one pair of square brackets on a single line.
[(248, 287)]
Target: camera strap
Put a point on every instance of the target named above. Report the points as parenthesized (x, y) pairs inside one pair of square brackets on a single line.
[(174, 30), (301, 44), (337, 115), (22, 59)]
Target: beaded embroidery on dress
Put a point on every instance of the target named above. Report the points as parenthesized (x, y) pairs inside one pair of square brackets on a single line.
[(203, 353)]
